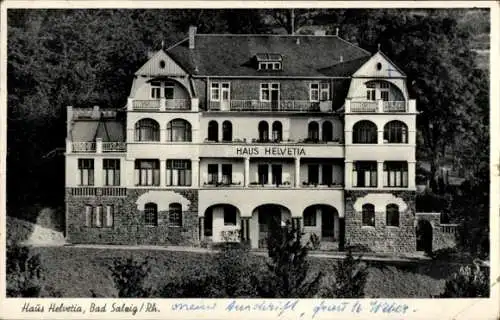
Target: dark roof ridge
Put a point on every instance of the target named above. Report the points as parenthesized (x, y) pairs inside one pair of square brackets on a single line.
[(265, 35), (175, 44), (351, 44)]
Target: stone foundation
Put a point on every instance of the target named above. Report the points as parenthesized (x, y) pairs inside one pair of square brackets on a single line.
[(129, 223), (380, 238)]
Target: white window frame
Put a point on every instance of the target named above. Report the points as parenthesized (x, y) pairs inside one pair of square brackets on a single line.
[(311, 90), (324, 87), (156, 88), (262, 89), (215, 89), (271, 86), (109, 216)]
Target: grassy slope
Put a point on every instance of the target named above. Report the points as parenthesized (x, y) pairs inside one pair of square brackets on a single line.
[(76, 271)]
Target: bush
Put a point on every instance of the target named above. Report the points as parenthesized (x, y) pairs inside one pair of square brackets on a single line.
[(350, 278), (315, 241), (287, 275), (129, 277), (25, 274), (468, 282)]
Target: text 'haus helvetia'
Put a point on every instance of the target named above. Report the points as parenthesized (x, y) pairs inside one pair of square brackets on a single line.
[(225, 135)]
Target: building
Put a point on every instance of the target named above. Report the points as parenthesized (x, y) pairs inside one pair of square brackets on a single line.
[(225, 135)]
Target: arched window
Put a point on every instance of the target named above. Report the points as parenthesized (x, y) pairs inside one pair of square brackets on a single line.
[(263, 131), (368, 212), (313, 131), (310, 217), (213, 131), (392, 215), (178, 130), (277, 131), (327, 134), (395, 132), (147, 130), (175, 214), (364, 132), (227, 131), (151, 214)]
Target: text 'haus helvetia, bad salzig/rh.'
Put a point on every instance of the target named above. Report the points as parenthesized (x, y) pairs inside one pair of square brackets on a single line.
[(224, 136)]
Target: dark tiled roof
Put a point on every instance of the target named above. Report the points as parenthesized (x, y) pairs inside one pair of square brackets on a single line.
[(233, 55), (345, 68), (89, 130)]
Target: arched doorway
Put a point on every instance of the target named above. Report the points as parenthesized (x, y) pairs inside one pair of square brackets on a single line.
[(268, 218), (424, 236), (222, 223)]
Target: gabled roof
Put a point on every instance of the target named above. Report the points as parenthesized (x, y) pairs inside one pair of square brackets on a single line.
[(388, 69), (90, 130), (233, 55)]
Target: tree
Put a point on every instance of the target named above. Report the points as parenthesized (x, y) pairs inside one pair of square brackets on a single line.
[(129, 277), (350, 278), (468, 282), (288, 273)]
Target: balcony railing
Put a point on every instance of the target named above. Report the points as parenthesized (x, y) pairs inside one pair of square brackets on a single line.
[(97, 191), (281, 105), (83, 146), (451, 228), (161, 104), (114, 147), (394, 106), (379, 106)]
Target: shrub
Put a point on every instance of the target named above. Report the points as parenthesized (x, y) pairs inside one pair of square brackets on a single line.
[(468, 282), (287, 274), (129, 277), (24, 272), (315, 241), (350, 278)]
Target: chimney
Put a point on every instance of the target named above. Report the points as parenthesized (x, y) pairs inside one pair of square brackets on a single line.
[(95, 113), (341, 58), (192, 33), (337, 31), (319, 32), (297, 41)]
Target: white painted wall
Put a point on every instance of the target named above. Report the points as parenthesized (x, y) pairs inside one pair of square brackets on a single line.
[(218, 224)]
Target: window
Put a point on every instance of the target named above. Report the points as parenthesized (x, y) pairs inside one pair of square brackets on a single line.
[(168, 92), (263, 131), (227, 173), (277, 131), (396, 174), (327, 174), (151, 214), (175, 215), (310, 217), (108, 220), (179, 130), (88, 215), (364, 174), (276, 171), (86, 172), (368, 212), (213, 173), (325, 92), (225, 91), (313, 173), (396, 132), (215, 91), (213, 131), (327, 134), (314, 92), (392, 215), (313, 131), (230, 216), (265, 92), (178, 172), (270, 66), (155, 89), (147, 172), (227, 131), (263, 171), (111, 169), (98, 216), (377, 90), (147, 130), (364, 132)]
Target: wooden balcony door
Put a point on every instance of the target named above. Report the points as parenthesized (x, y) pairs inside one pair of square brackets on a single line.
[(225, 97)]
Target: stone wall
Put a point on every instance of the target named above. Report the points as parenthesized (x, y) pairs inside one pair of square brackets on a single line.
[(129, 223), (381, 238), (440, 239)]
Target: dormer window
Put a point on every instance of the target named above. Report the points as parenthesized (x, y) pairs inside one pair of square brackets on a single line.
[(269, 61)]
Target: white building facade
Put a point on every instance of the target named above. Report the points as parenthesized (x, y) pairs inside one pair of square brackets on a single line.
[(224, 136)]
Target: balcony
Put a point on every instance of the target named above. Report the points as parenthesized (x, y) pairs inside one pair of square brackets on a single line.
[(95, 191), (380, 106), (95, 147), (271, 106), (163, 105)]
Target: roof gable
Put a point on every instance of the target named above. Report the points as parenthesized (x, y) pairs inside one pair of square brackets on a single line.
[(161, 64), (379, 66)]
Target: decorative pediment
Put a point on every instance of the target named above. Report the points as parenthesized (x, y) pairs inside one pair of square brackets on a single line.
[(380, 201), (161, 64), (379, 66)]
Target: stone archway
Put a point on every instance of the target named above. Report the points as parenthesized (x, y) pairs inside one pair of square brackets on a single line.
[(424, 236), (265, 219)]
